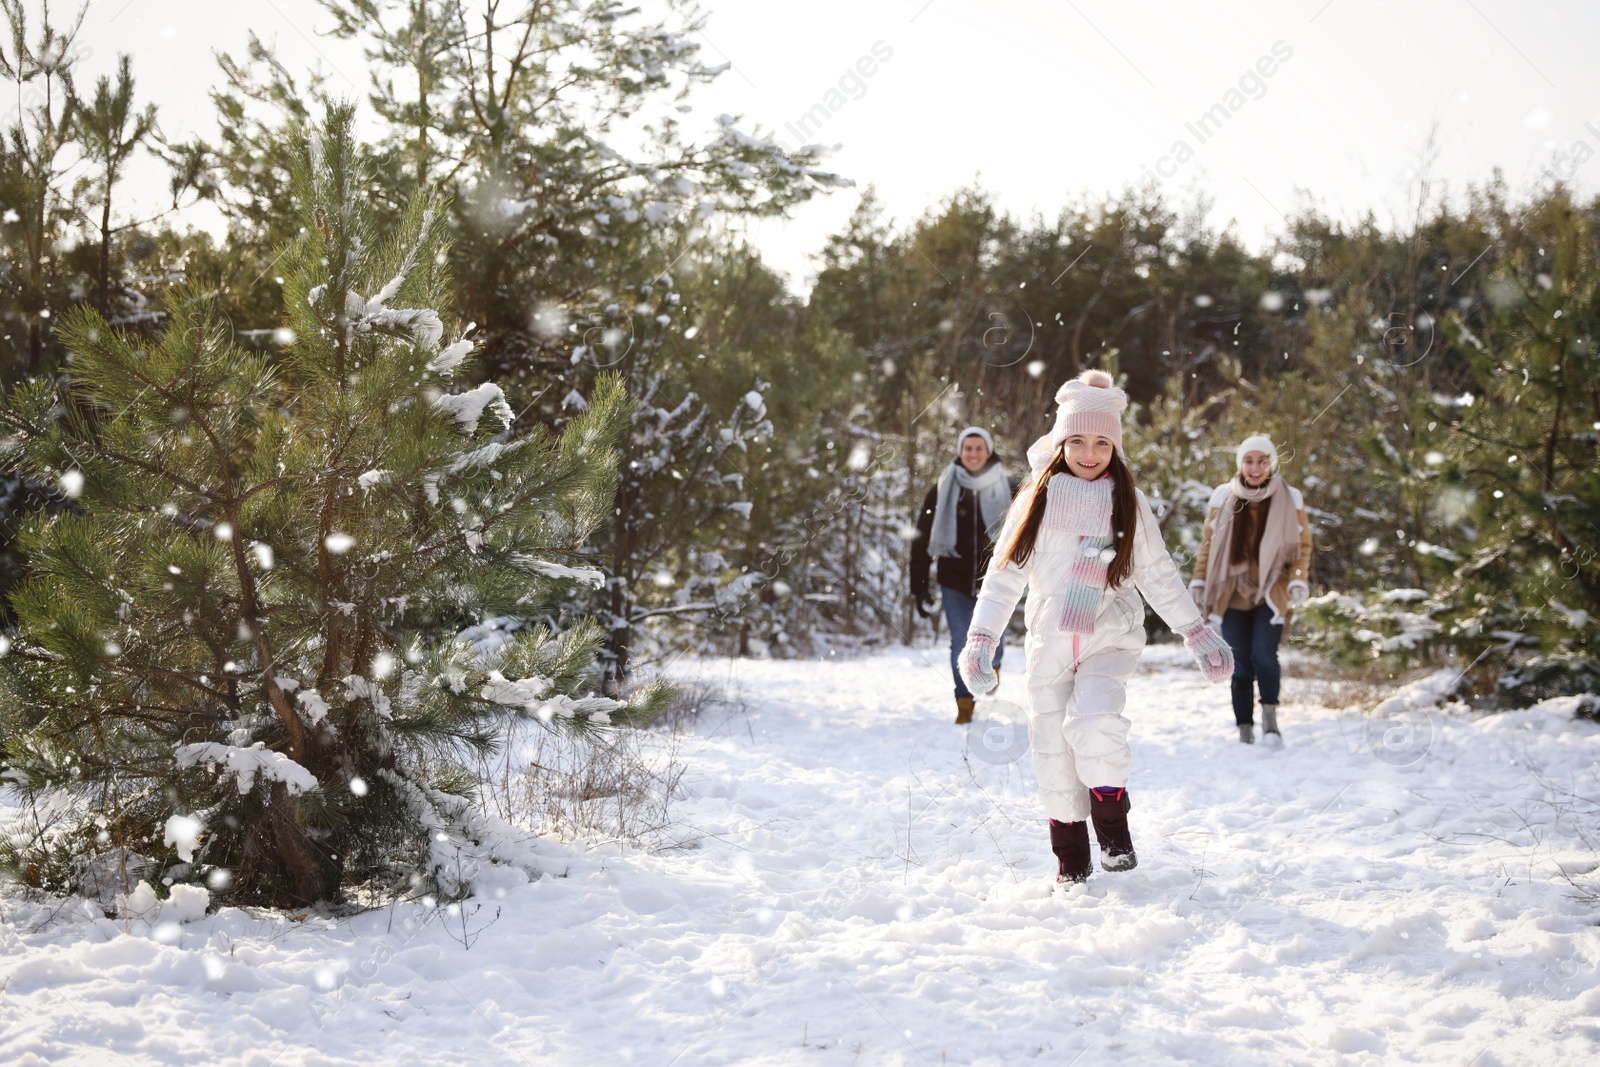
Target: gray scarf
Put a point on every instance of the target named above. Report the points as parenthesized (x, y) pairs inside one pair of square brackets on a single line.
[(993, 490)]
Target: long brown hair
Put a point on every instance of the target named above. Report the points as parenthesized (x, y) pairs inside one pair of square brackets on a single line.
[(1124, 516)]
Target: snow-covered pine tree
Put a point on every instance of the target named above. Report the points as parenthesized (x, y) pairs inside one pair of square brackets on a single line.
[(1497, 484), (842, 560), (237, 656), (681, 469), (567, 137), (1518, 494)]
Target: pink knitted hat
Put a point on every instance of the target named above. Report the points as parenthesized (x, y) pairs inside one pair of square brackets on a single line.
[(1090, 403)]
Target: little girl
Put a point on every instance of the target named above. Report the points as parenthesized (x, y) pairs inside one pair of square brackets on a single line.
[(1076, 535)]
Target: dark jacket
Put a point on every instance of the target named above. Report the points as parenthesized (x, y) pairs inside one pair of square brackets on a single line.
[(963, 571)]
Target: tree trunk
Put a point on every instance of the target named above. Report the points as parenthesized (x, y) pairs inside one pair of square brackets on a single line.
[(912, 505), (105, 251), (621, 639), (1552, 439), (33, 301), (1076, 349), (294, 865)]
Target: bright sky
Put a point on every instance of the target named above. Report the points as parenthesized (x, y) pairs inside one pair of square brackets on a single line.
[(1040, 100)]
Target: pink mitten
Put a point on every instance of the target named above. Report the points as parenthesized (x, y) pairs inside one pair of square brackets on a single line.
[(1210, 651), (976, 662)]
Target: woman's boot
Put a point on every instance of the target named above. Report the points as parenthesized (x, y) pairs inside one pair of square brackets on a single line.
[(1070, 842), (1269, 726), (963, 710), (1108, 807)]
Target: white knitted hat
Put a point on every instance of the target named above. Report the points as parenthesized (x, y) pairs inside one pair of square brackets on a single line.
[(1257, 443), (1090, 403), (974, 431)]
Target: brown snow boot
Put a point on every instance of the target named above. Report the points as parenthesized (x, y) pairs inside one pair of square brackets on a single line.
[(963, 710), (1108, 807), (1070, 842)]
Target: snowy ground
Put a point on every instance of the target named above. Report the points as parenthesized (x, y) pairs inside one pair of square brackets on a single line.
[(871, 885)]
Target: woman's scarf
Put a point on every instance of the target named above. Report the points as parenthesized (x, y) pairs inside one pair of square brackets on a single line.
[(990, 486), (1280, 537), (1075, 506)]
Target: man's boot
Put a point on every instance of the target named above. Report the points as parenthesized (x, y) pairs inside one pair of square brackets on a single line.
[(963, 710), (1070, 842), (1269, 726), (1108, 807)]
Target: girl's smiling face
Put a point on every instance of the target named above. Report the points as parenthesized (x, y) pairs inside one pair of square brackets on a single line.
[(1256, 468), (1088, 454)]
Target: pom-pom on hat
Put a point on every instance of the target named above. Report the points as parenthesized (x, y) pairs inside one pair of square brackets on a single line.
[(1091, 403), (1257, 443)]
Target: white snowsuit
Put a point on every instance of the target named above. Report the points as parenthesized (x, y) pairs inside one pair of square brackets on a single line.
[(1077, 730)]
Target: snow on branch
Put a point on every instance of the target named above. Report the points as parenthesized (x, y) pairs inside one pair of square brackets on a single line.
[(450, 358), (463, 844), (587, 575), (525, 693), (389, 291), (373, 314), (596, 709), (366, 316), (247, 764), (483, 457), (358, 688), (528, 695), (467, 408), (1428, 692)]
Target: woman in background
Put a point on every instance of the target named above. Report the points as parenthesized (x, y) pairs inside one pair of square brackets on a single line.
[(1252, 569)]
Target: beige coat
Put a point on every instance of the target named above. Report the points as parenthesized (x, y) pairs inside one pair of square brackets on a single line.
[(1299, 571)]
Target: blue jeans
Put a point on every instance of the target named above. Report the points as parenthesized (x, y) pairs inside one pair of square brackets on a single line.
[(1254, 638), (958, 608)]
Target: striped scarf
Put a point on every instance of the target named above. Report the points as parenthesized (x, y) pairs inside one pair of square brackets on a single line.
[(1075, 506)]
